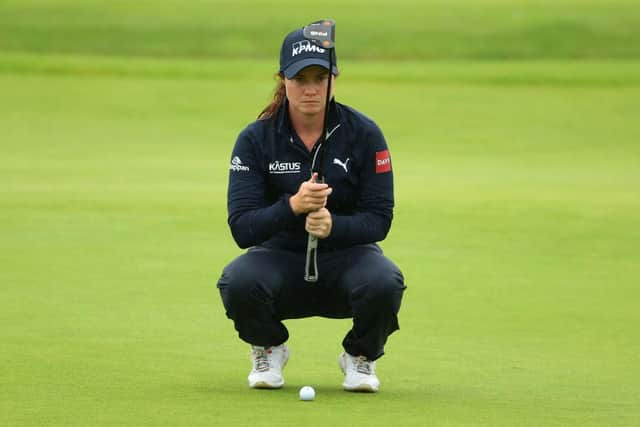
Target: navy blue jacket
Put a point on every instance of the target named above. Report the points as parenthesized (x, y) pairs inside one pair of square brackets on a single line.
[(269, 162)]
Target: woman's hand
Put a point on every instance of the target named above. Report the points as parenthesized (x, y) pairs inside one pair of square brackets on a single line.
[(310, 197), (319, 223)]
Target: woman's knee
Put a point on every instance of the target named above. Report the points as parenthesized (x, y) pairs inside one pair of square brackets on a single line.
[(236, 285), (388, 283), (384, 286), (245, 286)]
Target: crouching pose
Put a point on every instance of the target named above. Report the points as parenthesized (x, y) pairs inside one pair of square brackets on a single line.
[(274, 201)]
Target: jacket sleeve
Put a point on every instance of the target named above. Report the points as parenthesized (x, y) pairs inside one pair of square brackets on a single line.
[(373, 214), (251, 217)]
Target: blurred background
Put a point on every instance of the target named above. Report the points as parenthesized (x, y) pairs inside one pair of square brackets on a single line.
[(513, 128)]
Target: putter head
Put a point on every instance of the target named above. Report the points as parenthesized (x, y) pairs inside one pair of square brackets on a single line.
[(321, 33)]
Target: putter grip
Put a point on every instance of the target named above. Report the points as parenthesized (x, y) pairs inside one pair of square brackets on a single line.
[(311, 265)]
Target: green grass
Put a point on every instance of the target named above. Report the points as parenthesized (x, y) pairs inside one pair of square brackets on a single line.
[(516, 223), (373, 30)]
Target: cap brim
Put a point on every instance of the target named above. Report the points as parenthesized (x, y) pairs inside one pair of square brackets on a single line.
[(295, 68)]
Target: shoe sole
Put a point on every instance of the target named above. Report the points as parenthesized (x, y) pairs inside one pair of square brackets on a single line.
[(362, 388), (265, 385)]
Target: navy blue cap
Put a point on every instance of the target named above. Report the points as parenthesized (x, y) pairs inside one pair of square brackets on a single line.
[(297, 53)]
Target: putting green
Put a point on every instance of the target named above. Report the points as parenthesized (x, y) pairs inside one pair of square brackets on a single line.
[(516, 220)]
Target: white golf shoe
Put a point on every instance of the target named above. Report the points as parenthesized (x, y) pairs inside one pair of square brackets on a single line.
[(359, 373), (268, 363)]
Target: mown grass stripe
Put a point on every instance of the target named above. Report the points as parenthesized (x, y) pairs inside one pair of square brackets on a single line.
[(544, 73)]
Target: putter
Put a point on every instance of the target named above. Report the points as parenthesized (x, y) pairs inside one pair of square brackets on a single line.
[(322, 34)]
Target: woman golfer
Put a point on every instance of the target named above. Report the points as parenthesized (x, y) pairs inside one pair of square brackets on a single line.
[(274, 201)]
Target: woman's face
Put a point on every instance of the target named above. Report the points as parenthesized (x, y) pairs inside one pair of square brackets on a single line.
[(307, 91)]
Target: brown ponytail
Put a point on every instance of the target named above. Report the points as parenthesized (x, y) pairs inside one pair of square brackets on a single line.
[(278, 98)]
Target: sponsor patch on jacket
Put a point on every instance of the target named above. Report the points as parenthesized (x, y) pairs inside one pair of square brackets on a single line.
[(237, 166), (383, 161), (284, 167)]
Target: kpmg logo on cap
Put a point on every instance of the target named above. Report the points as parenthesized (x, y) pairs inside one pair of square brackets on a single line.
[(305, 46)]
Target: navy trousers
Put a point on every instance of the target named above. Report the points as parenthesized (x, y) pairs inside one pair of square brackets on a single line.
[(265, 286)]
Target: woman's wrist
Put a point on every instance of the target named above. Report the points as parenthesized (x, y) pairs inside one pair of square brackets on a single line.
[(293, 205)]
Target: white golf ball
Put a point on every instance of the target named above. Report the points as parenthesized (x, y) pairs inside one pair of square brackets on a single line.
[(307, 393)]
